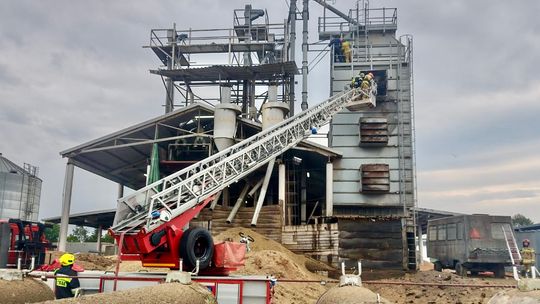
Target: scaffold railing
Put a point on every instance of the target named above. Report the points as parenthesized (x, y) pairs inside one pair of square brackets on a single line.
[(185, 189)]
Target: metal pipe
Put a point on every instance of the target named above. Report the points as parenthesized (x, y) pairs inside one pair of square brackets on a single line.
[(19, 263), (329, 189), (262, 195), (66, 206), (215, 201), (251, 192), (336, 11), (282, 189), (238, 203), (305, 19)]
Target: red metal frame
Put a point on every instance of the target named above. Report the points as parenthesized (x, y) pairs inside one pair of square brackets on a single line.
[(30, 228), (138, 245)]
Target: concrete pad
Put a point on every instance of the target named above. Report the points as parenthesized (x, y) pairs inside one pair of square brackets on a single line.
[(529, 284), (11, 274), (179, 276)]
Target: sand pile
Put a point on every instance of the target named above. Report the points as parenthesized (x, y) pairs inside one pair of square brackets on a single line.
[(26, 291), (268, 257), (175, 293), (350, 295), (516, 297), (89, 261)]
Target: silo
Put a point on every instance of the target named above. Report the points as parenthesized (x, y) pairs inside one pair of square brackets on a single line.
[(273, 112), (225, 115), (20, 191)]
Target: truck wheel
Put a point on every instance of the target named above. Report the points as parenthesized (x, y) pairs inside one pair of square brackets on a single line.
[(499, 271), (197, 244), (461, 270), (437, 266)]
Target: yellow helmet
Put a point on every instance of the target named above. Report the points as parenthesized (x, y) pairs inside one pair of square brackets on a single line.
[(67, 259)]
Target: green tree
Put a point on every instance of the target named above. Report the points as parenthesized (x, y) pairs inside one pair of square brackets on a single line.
[(79, 234), (519, 220), (105, 237), (52, 233)]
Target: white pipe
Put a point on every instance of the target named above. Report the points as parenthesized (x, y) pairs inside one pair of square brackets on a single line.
[(215, 201), (329, 189), (262, 195), (19, 263), (238, 203), (282, 189), (251, 192)]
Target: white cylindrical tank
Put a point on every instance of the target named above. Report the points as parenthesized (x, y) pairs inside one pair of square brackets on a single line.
[(225, 115), (20, 192), (273, 112)]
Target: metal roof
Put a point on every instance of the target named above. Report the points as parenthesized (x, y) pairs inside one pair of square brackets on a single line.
[(533, 227), (123, 156), (225, 72), (94, 219), (7, 166), (425, 214)]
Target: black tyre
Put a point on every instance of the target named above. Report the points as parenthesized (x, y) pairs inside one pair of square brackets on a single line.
[(197, 244), (460, 269), (437, 266), (474, 273), (499, 271)]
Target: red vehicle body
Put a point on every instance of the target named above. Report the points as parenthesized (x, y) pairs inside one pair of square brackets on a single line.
[(25, 240)]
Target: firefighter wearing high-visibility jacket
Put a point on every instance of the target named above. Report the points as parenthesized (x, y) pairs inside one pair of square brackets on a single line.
[(527, 257), (65, 285)]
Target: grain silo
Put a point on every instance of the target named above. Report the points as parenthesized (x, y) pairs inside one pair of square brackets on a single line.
[(20, 190)]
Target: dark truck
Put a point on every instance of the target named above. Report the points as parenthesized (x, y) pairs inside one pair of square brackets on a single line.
[(472, 243)]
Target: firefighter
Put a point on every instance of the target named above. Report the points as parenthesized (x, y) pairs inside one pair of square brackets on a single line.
[(338, 52), (527, 257), (357, 80), (346, 47), (66, 286)]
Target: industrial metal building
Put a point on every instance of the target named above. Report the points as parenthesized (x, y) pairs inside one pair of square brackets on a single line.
[(20, 191), (352, 200)]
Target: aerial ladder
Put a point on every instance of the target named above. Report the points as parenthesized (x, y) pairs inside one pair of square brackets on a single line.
[(150, 223)]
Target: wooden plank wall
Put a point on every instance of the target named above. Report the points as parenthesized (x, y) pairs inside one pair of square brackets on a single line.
[(378, 243), (318, 241), (268, 224)]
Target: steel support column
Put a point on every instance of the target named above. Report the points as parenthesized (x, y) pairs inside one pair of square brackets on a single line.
[(99, 233), (282, 194), (66, 206), (329, 189), (262, 195)]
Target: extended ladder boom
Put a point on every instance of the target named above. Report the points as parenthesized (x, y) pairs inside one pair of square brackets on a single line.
[(187, 188)]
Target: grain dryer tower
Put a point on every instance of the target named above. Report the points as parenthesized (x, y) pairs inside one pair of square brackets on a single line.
[(20, 190), (374, 181)]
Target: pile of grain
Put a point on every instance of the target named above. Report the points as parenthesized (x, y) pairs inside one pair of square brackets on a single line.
[(25, 291), (175, 293), (89, 261), (268, 257), (350, 295)]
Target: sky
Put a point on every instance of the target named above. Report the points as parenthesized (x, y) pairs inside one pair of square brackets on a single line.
[(72, 71)]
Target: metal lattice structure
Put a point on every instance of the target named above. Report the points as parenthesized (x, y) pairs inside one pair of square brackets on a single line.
[(187, 188)]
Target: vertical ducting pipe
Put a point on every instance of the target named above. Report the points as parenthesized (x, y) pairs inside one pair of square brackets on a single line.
[(305, 19), (66, 206)]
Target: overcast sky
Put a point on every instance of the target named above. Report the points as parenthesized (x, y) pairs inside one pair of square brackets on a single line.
[(72, 71)]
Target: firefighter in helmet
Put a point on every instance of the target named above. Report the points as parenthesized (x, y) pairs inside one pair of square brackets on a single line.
[(65, 285), (527, 258), (357, 80)]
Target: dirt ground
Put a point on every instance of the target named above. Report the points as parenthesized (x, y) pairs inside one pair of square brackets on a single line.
[(434, 294), (26, 291), (270, 258), (174, 293)]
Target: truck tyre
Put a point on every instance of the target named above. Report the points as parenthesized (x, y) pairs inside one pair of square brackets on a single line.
[(196, 244), (460, 269), (437, 266), (499, 271)]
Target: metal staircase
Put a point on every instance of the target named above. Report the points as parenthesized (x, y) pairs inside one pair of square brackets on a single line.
[(513, 250), (185, 189)]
